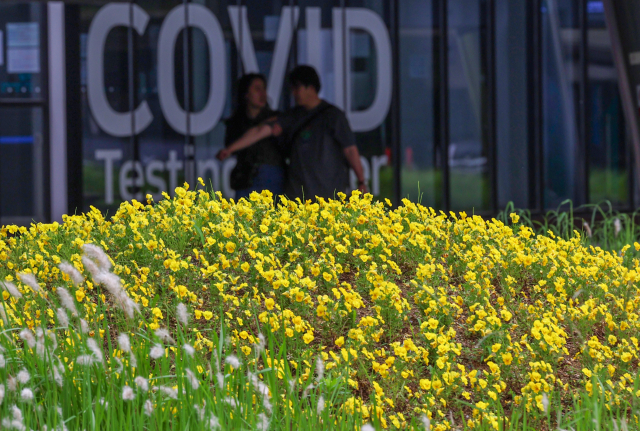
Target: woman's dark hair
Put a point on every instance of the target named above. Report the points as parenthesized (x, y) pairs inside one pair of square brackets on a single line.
[(242, 88), (306, 76)]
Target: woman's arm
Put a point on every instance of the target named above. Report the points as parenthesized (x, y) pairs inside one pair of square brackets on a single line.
[(250, 137)]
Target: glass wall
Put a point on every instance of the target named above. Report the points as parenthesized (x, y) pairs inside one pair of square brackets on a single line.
[(21, 165), (314, 42), (512, 101), (468, 104), (159, 149), (212, 77), (561, 79), (368, 84), (23, 137), (609, 147), (533, 109), (106, 126), (421, 175)]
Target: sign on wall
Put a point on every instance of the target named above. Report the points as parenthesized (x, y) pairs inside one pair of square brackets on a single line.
[(117, 123)]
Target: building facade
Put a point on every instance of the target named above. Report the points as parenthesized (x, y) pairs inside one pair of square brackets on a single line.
[(458, 104)]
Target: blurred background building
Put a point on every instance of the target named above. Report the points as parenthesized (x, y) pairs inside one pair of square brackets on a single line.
[(458, 104)]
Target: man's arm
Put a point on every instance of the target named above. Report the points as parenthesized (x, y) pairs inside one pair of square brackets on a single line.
[(353, 157), (250, 137)]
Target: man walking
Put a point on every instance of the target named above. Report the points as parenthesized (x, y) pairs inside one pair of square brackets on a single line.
[(316, 138)]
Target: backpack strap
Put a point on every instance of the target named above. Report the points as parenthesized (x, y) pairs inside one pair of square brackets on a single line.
[(307, 121)]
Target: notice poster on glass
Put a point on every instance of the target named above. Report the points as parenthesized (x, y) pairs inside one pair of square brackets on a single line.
[(23, 34), (23, 60), (23, 47)]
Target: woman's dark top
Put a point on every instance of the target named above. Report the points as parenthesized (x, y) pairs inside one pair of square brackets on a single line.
[(264, 152)]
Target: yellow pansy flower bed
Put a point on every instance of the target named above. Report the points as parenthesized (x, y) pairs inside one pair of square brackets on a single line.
[(411, 315)]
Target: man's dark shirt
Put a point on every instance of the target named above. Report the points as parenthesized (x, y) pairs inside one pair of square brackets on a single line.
[(264, 152), (317, 165)]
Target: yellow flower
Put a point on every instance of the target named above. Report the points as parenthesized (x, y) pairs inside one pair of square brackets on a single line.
[(482, 405), (340, 341), (246, 350), (514, 217), (79, 295), (207, 315), (230, 247), (589, 387), (308, 337), (507, 358), (152, 245), (425, 384), (494, 367), (157, 312), (269, 303)]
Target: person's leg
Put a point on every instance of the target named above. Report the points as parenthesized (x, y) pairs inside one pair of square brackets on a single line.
[(270, 178)]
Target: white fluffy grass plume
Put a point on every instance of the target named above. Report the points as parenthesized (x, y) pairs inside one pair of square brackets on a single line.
[(30, 280), (75, 275)]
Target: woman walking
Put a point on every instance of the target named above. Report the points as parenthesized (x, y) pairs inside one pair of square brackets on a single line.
[(261, 166)]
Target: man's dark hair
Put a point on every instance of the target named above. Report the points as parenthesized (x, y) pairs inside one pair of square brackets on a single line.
[(306, 76)]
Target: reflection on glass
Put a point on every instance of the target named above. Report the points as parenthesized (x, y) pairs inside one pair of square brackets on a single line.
[(469, 168), (361, 82), (103, 154), (265, 20), (512, 162), (160, 147), (314, 42), (421, 180), (560, 63), (214, 173), (21, 165), (608, 149)]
